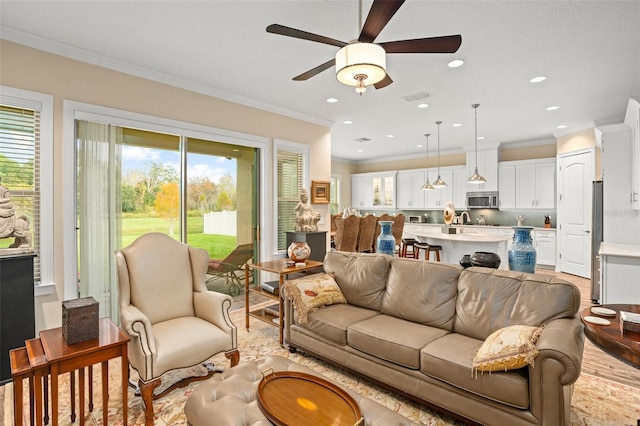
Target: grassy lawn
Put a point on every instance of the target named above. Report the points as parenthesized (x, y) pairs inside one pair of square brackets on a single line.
[(218, 246)]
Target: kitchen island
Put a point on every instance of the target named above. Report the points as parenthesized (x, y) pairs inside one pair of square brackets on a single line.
[(454, 246)]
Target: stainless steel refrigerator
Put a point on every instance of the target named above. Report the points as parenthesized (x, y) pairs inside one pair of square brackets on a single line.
[(596, 239)]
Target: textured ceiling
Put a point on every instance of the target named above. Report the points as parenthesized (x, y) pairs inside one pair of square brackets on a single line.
[(588, 50)]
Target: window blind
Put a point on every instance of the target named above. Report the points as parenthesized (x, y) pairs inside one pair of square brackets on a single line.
[(20, 169), (290, 178)]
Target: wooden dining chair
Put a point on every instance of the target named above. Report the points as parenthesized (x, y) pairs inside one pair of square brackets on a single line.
[(367, 233), (350, 230)]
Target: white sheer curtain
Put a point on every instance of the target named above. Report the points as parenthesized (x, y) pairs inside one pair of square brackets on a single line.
[(99, 148)]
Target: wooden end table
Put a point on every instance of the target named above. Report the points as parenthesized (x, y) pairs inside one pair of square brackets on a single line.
[(279, 267), (610, 338), (62, 358)]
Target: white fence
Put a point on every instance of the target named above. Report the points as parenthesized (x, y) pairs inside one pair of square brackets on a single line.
[(221, 223)]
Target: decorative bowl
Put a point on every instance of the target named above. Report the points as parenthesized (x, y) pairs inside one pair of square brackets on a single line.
[(485, 259)]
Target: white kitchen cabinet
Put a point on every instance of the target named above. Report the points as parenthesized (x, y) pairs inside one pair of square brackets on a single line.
[(619, 273), (507, 185), (535, 184), (409, 193), (632, 119), (439, 197), (384, 190), (545, 244), (460, 188), (361, 191), (487, 167)]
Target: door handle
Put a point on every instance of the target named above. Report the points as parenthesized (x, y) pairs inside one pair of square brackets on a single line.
[(587, 231)]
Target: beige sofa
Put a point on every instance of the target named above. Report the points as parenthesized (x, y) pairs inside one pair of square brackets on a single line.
[(415, 326)]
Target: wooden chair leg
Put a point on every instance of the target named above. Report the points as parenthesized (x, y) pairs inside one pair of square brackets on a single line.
[(438, 255), (146, 391), (234, 356)]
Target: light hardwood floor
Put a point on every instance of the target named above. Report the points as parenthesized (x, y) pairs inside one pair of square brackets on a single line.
[(595, 361)]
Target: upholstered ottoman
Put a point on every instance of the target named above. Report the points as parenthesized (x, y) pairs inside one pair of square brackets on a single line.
[(229, 398)]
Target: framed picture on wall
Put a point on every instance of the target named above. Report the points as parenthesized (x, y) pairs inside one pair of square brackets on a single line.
[(320, 192)]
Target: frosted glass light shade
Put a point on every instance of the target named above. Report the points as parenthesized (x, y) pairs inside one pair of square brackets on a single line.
[(357, 59)]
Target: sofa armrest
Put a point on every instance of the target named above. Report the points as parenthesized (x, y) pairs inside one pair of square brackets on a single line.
[(563, 341), (214, 307)]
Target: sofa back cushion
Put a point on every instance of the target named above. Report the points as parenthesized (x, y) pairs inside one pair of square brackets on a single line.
[(490, 299), (362, 277), (422, 292)]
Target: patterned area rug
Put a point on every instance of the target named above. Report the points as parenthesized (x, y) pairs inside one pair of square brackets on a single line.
[(596, 401)]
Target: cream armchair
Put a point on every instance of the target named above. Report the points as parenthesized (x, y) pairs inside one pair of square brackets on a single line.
[(165, 308)]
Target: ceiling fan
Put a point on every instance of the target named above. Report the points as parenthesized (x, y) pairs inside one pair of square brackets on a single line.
[(363, 62)]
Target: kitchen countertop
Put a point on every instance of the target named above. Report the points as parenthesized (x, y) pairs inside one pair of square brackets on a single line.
[(419, 230), (477, 228)]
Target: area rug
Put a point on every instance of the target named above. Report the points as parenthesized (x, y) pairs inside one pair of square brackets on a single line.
[(596, 401)]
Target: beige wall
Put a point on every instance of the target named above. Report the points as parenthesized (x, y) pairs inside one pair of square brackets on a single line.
[(66, 79), (344, 170), (581, 140), (456, 159), (528, 152)]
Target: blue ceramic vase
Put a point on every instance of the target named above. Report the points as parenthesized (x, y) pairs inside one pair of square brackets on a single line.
[(386, 242), (522, 255)]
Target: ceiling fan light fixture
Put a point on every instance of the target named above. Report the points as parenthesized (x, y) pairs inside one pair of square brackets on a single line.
[(360, 65)]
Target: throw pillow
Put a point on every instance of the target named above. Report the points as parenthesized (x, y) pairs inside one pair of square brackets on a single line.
[(509, 348), (312, 292)]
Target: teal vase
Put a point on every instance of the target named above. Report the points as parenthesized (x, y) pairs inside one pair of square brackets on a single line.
[(522, 255), (386, 242)]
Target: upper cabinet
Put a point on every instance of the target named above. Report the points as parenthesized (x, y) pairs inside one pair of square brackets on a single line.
[(439, 197), (373, 190), (632, 119), (409, 193), (528, 184), (487, 167)]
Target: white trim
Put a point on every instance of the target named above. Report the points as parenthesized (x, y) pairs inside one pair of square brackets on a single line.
[(61, 49), (73, 110), (43, 103)]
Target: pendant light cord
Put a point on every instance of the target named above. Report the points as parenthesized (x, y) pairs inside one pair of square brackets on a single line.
[(475, 109)]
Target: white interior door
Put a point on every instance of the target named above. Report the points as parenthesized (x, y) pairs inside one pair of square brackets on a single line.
[(574, 212)]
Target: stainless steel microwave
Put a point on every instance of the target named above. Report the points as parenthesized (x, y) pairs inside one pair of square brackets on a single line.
[(482, 200)]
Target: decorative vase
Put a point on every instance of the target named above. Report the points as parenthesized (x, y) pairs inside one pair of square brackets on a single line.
[(485, 259), (386, 242), (522, 255), (465, 262), (299, 251)]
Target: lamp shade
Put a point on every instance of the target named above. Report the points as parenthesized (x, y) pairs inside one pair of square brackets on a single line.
[(361, 61)]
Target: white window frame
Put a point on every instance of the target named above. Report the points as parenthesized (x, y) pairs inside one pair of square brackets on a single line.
[(77, 110), (298, 148), (43, 103)]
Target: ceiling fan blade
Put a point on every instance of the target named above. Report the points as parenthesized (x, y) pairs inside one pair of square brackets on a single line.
[(292, 32), (315, 71), (380, 14), (384, 82), (444, 44)]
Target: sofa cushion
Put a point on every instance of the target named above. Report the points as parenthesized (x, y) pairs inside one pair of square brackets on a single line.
[(449, 359), (490, 299), (509, 348), (392, 339), (312, 292), (362, 277), (422, 292), (331, 322)]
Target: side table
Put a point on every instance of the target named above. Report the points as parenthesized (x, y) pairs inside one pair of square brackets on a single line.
[(63, 358), (279, 267)]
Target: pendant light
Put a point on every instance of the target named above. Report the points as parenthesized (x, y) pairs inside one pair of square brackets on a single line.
[(427, 186), (439, 183), (476, 178)]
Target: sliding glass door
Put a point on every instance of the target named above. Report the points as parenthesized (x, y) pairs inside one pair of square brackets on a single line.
[(132, 181)]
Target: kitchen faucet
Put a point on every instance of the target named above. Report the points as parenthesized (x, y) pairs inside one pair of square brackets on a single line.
[(462, 220)]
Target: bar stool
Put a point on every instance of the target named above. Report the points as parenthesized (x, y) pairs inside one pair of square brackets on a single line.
[(406, 243), (417, 246)]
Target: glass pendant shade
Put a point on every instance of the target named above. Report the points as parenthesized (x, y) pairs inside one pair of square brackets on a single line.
[(476, 178), (439, 183), (427, 186)]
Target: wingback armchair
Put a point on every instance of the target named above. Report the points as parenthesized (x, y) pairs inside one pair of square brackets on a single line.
[(165, 308)]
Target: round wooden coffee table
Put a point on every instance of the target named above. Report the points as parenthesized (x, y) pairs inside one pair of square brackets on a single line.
[(610, 338)]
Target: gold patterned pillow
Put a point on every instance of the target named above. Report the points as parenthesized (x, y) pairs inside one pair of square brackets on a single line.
[(509, 348), (312, 292)]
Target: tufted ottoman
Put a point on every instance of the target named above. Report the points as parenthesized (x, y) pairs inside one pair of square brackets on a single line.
[(229, 398)]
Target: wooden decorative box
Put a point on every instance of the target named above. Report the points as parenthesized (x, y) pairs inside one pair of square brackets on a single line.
[(80, 320)]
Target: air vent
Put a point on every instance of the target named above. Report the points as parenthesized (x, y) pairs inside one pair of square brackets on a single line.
[(361, 140), (417, 96)]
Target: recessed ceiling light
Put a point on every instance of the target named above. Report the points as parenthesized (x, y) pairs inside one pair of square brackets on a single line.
[(457, 125), (391, 136), (419, 146), (538, 79), (480, 138), (562, 126), (348, 122), (360, 150), (455, 63), (423, 105), (332, 100), (553, 108)]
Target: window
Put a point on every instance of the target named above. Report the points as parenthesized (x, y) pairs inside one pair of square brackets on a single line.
[(290, 179), (26, 142), (334, 206)]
